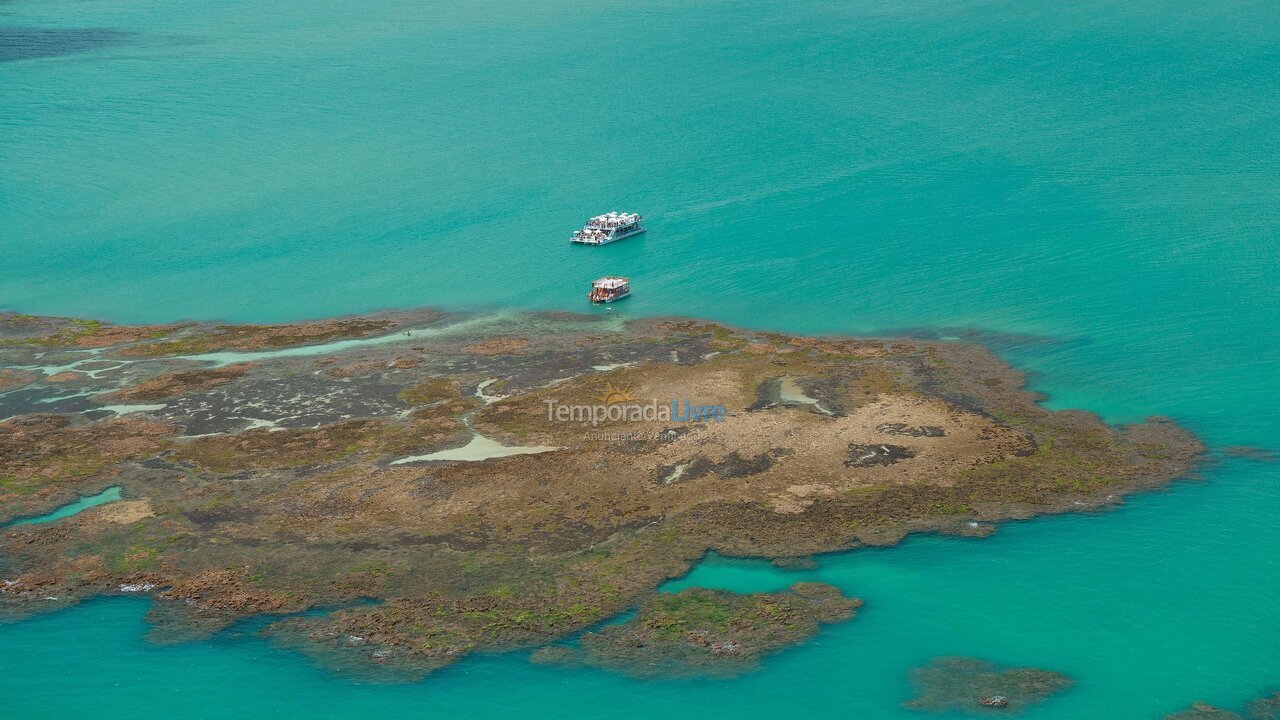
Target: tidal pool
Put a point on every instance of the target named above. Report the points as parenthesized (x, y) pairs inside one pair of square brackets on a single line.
[(85, 502)]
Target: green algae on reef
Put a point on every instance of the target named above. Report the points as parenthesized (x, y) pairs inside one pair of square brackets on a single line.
[(699, 632)]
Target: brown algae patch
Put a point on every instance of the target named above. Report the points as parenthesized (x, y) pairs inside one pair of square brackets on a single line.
[(498, 346), (40, 454), (11, 379)]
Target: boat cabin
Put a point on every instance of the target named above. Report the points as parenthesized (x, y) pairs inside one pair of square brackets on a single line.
[(609, 288)]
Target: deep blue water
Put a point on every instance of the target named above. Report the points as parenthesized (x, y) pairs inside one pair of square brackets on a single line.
[(1099, 178)]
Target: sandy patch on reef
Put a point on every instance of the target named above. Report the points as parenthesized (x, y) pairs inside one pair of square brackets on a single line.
[(819, 446), (125, 511), (773, 457)]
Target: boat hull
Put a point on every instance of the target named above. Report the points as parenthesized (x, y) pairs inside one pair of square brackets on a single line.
[(615, 238), (609, 300)]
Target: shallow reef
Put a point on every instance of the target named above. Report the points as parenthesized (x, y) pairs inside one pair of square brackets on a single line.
[(1203, 711), (1263, 708), (300, 467), (977, 686)]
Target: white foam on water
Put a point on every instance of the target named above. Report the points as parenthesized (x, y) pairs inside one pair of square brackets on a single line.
[(222, 359), (607, 368)]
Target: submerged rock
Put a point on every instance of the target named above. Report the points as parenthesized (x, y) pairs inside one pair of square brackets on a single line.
[(972, 685), (1266, 708), (1250, 452), (1203, 711), (557, 655)]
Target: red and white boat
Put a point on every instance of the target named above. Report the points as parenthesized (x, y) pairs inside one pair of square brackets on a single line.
[(609, 288)]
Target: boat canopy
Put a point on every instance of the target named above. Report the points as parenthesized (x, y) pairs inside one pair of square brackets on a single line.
[(610, 282), (611, 220)]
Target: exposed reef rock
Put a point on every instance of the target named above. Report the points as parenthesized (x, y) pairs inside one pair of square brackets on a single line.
[(176, 384), (904, 429), (44, 333), (706, 632), (733, 465), (971, 685), (872, 455), (368, 368), (498, 346), (274, 488)]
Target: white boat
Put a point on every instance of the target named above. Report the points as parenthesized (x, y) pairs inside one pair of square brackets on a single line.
[(609, 288), (604, 229)]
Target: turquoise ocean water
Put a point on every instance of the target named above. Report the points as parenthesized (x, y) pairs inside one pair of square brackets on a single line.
[(1095, 184)]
